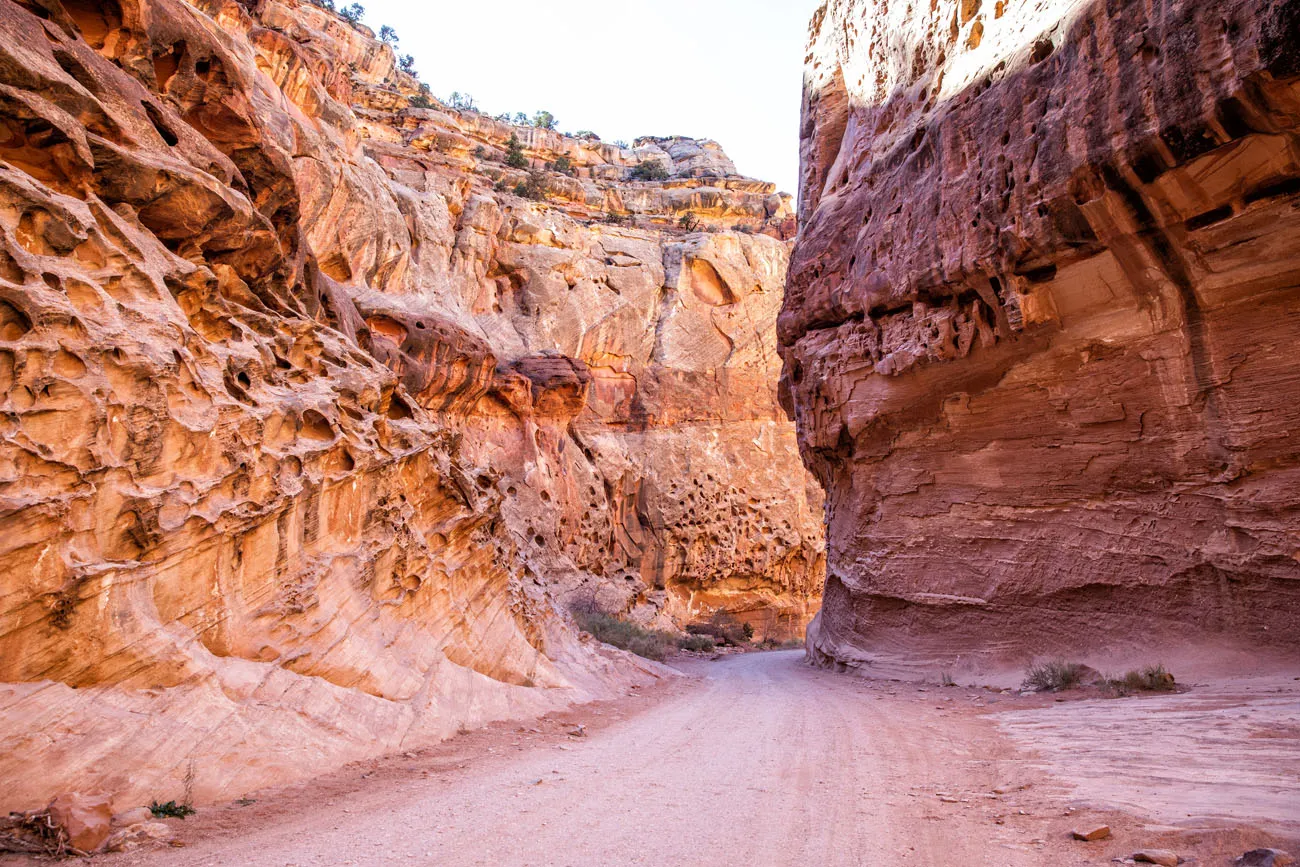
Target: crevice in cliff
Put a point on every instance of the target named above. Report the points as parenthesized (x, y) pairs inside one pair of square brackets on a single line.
[(1163, 250)]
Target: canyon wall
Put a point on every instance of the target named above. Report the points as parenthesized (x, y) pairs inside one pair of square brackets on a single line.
[(311, 428), (1040, 327)]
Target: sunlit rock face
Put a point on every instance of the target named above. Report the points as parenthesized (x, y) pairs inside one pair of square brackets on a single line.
[(1040, 327), (311, 429)]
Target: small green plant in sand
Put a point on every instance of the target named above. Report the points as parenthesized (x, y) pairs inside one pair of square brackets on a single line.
[(171, 810)]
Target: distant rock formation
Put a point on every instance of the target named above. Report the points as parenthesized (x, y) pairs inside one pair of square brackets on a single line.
[(1040, 328), (311, 428)]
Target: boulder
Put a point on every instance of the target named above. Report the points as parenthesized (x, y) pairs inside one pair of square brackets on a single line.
[(86, 819)]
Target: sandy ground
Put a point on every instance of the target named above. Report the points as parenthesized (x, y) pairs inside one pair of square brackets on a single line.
[(758, 759)]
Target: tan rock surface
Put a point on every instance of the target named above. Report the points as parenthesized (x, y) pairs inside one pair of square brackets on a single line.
[(308, 435), (1040, 324)]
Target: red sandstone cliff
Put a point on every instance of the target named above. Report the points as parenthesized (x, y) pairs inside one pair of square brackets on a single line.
[(1040, 328), (310, 429)]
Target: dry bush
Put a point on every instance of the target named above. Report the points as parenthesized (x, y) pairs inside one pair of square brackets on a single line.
[(591, 617), (1055, 675), (1152, 678), (35, 833)]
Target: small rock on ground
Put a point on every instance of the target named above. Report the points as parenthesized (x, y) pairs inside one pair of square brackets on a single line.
[(1265, 858), (1163, 857), (1099, 832)]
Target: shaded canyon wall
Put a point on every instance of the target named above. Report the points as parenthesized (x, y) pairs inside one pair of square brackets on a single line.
[(1040, 328)]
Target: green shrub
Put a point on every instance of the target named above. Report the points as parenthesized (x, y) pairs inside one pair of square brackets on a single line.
[(564, 166), (649, 643), (387, 35), (1054, 676), (421, 101), (651, 171), (171, 810), (544, 120), (353, 14), (515, 153), (689, 222)]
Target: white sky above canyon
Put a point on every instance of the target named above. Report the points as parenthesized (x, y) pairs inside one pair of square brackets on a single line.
[(729, 70)]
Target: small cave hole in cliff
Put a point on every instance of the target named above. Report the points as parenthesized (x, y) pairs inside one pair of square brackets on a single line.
[(96, 20), (14, 323), (168, 63), (399, 409)]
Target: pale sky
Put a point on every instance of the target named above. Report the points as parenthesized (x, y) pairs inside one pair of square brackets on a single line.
[(729, 70)]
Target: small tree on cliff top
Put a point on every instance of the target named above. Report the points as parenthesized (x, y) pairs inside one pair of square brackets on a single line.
[(387, 35), (544, 120), (353, 14)]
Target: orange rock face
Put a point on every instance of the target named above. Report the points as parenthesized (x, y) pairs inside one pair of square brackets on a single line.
[(1040, 325), (310, 429)]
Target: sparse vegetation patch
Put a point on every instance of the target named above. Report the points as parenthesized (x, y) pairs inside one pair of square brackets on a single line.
[(724, 628), (1054, 676), (625, 635), (1152, 678), (697, 643), (651, 171)]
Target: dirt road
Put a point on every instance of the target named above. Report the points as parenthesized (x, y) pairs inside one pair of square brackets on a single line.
[(760, 760)]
